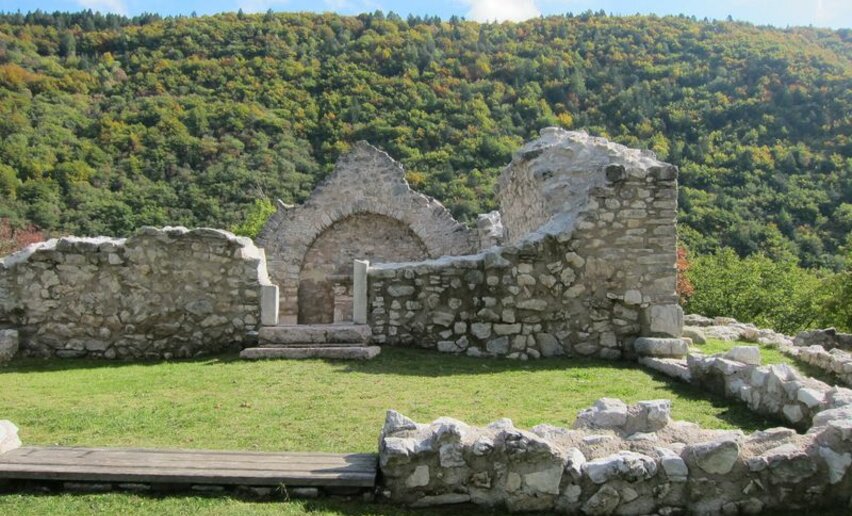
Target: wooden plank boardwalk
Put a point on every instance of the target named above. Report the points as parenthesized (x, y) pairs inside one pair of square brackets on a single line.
[(135, 465)]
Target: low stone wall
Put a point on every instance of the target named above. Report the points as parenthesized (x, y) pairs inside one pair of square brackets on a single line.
[(828, 339), (777, 390), (700, 328), (825, 349), (159, 293), (837, 362), (597, 270), (618, 459)]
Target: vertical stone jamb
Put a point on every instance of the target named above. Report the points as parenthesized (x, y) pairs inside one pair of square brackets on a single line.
[(269, 305), (359, 291)]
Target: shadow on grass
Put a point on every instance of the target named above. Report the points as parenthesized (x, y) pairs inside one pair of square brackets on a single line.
[(325, 505)]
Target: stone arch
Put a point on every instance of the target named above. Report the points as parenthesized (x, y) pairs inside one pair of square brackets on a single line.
[(325, 280), (365, 181)]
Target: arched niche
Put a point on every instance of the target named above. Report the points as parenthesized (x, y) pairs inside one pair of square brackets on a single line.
[(325, 279)]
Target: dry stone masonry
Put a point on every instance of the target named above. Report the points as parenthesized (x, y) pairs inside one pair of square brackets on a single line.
[(618, 459), (167, 292), (588, 263)]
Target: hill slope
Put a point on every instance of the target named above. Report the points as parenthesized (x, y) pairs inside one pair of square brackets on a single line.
[(107, 124)]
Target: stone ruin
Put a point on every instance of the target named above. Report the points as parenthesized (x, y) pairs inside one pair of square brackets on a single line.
[(580, 260)]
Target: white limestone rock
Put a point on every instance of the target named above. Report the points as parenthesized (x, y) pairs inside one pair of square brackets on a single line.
[(8, 345), (624, 465), (746, 354), (604, 501), (419, 478), (660, 347), (9, 439), (837, 463), (606, 413), (695, 333), (715, 457), (666, 320)]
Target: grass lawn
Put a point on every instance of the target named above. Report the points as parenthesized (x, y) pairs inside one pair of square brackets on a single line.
[(311, 405)]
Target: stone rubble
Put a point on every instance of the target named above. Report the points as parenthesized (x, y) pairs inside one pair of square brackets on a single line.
[(618, 459)]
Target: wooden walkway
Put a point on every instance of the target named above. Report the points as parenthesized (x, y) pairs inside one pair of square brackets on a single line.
[(133, 465)]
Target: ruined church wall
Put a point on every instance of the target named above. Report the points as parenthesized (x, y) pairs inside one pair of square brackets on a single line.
[(365, 181), (599, 271), (159, 293)]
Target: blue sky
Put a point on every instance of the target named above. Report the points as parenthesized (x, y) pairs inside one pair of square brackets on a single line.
[(781, 13)]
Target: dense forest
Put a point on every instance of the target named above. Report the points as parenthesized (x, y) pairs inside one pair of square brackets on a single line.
[(109, 123)]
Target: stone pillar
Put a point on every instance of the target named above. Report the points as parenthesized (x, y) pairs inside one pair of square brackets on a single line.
[(359, 292), (269, 305)]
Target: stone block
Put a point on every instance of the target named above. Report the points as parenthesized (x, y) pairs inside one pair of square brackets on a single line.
[(664, 320), (9, 439), (360, 269), (605, 413), (715, 457), (8, 345), (746, 354), (623, 465), (269, 305), (660, 347)]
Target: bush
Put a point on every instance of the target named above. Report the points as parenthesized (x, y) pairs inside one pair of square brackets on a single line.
[(770, 293), (256, 217)]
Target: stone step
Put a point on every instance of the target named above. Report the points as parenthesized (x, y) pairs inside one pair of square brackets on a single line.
[(315, 334), (338, 352), (314, 345)]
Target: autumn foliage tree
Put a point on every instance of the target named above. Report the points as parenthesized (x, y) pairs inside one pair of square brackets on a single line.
[(14, 239), (684, 287)]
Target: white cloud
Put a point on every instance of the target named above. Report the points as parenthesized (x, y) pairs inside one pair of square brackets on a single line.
[(105, 6), (502, 10)]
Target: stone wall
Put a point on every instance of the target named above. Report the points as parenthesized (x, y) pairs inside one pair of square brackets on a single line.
[(826, 349), (618, 459), (365, 181), (159, 293), (836, 361), (594, 269), (828, 339)]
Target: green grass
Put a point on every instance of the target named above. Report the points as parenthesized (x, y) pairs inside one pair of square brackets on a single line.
[(311, 405)]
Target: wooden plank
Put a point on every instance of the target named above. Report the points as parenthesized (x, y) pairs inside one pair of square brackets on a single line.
[(184, 476), (189, 466), (119, 456), (177, 451), (202, 466)]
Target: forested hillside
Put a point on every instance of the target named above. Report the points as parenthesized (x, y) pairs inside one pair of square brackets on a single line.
[(107, 123)]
